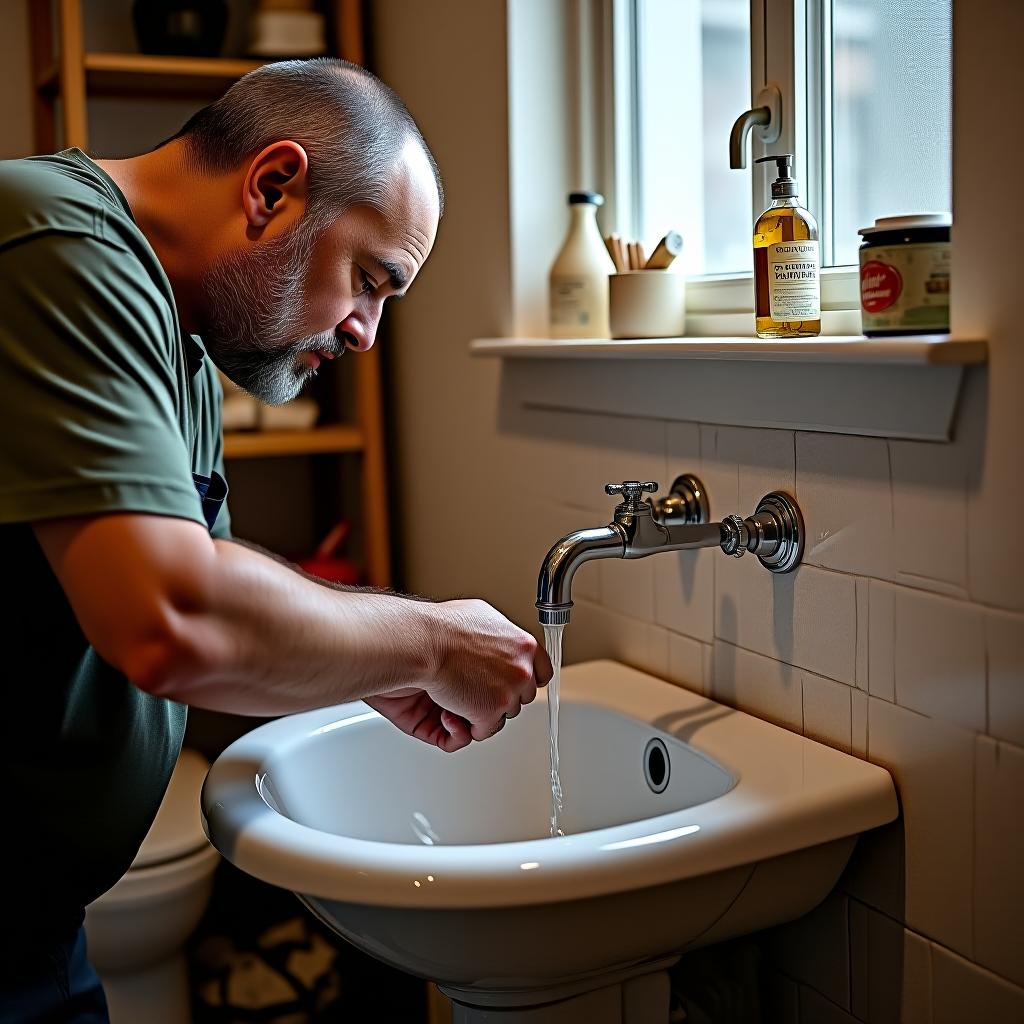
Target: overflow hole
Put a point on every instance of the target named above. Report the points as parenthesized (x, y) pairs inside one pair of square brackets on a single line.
[(656, 765)]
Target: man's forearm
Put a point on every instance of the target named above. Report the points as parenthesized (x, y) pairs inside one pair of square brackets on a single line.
[(269, 639)]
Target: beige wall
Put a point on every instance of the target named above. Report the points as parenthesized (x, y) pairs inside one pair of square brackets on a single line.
[(902, 637)]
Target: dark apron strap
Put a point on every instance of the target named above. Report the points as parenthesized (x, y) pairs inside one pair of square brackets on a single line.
[(213, 491)]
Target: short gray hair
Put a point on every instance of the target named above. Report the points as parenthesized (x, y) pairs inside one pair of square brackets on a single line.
[(350, 123)]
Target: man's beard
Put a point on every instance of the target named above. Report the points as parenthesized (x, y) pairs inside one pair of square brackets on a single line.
[(251, 299)]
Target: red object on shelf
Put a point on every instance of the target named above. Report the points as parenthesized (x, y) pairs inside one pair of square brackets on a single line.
[(326, 563)]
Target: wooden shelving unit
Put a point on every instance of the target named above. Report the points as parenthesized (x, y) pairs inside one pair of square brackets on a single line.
[(143, 75), (72, 75), (259, 444)]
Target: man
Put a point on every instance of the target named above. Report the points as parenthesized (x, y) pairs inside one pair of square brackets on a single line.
[(264, 239)]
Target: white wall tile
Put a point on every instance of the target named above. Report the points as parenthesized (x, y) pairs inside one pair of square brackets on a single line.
[(876, 944), (626, 584), (815, 949), (596, 632), (916, 997), (683, 449), (932, 764), (859, 723), (816, 1009), (765, 461), (881, 640), (569, 456), (963, 992), (719, 474), (684, 592), (684, 582), (843, 487), (708, 665), (764, 687), (807, 618), (825, 623), (686, 662), (780, 998), (827, 711), (999, 858), (1005, 639), (940, 657), (876, 874), (863, 621), (930, 501)]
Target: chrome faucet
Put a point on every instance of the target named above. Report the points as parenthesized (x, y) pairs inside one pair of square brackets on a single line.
[(676, 522)]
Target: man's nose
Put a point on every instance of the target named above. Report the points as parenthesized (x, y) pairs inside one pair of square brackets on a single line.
[(359, 335)]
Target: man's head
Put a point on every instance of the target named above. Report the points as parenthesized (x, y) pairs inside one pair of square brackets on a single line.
[(338, 209)]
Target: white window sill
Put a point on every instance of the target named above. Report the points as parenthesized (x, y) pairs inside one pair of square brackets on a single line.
[(905, 387)]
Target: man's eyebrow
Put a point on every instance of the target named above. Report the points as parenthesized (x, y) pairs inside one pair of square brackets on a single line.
[(396, 273)]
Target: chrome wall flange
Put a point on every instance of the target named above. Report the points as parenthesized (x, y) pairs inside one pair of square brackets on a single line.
[(778, 520), (686, 503)]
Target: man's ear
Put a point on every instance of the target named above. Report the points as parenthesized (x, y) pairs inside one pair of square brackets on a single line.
[(275, 185)]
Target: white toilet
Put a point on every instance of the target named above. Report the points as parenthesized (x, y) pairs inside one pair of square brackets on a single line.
[(137, 930)]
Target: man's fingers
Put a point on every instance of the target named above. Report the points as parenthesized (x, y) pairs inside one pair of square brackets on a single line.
[(485, 732), (529, 694)]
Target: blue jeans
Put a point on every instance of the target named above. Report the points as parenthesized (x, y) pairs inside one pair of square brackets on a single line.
[(57, 985)]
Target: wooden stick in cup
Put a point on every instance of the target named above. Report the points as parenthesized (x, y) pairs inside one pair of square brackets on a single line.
[(641, 259), (614, 246), (665, 252)]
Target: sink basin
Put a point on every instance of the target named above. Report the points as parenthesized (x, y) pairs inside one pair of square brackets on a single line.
[(687, 822)]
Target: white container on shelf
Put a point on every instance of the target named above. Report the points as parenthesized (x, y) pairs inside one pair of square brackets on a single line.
[(579, 275), (647, 304)]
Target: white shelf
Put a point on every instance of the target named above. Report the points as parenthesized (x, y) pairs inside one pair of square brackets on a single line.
[(912, 350), (901, 387)]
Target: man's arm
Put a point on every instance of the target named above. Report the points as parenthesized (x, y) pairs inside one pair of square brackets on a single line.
[(217, 625)]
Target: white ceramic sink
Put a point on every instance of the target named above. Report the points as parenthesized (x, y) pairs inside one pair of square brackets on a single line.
[(442, 865)]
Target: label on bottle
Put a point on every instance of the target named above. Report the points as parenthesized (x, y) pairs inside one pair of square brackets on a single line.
[(579, 305), (793, 285)]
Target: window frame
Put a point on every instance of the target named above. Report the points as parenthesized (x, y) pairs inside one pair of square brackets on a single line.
[(609, 31)]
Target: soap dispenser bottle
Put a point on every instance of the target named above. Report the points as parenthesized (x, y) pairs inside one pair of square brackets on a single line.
[(787, 280), (578, 283)]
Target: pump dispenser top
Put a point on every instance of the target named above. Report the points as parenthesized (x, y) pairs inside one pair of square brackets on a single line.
[(785, 185)]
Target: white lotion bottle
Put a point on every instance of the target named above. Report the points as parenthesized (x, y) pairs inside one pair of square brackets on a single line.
[(578, 285)]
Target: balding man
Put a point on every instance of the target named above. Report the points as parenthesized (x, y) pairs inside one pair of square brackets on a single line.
[(262, 239)]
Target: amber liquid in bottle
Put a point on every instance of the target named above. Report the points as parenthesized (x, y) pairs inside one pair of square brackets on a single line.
[(783, 221)]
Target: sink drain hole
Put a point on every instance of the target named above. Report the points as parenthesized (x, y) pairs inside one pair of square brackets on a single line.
[(656, 765)]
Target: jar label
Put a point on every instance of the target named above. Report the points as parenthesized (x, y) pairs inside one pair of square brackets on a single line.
[(905, 287), (793, 285), (880, 286)]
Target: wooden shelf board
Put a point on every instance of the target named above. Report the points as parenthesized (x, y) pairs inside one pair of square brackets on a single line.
[(269, 443), (147, 74), (913, 350)]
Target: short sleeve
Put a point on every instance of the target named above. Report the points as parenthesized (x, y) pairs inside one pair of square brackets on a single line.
[(89, 413)]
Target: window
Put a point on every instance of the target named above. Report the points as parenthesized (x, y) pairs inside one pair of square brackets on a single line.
[(866, 93), (693, 61), (890, 114)]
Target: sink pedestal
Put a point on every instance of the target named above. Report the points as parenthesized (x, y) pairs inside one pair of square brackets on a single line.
[(637, 995)]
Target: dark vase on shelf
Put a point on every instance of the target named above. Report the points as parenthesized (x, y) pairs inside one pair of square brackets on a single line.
[(182, 28)]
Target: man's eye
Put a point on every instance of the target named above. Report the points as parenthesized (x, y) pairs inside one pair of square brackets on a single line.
[(368, 284)]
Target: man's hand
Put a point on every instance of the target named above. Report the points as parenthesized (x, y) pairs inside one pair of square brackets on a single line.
[(488, 669)]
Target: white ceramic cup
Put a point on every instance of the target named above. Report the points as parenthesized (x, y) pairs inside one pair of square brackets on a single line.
[(647, 304)]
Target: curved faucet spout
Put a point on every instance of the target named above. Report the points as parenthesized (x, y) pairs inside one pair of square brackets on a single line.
[(554, 587)]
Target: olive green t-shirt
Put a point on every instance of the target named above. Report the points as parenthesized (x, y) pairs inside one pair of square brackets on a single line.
[(105, 406)]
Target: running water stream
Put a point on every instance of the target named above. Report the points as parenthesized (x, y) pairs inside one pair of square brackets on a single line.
[(553, 643)]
